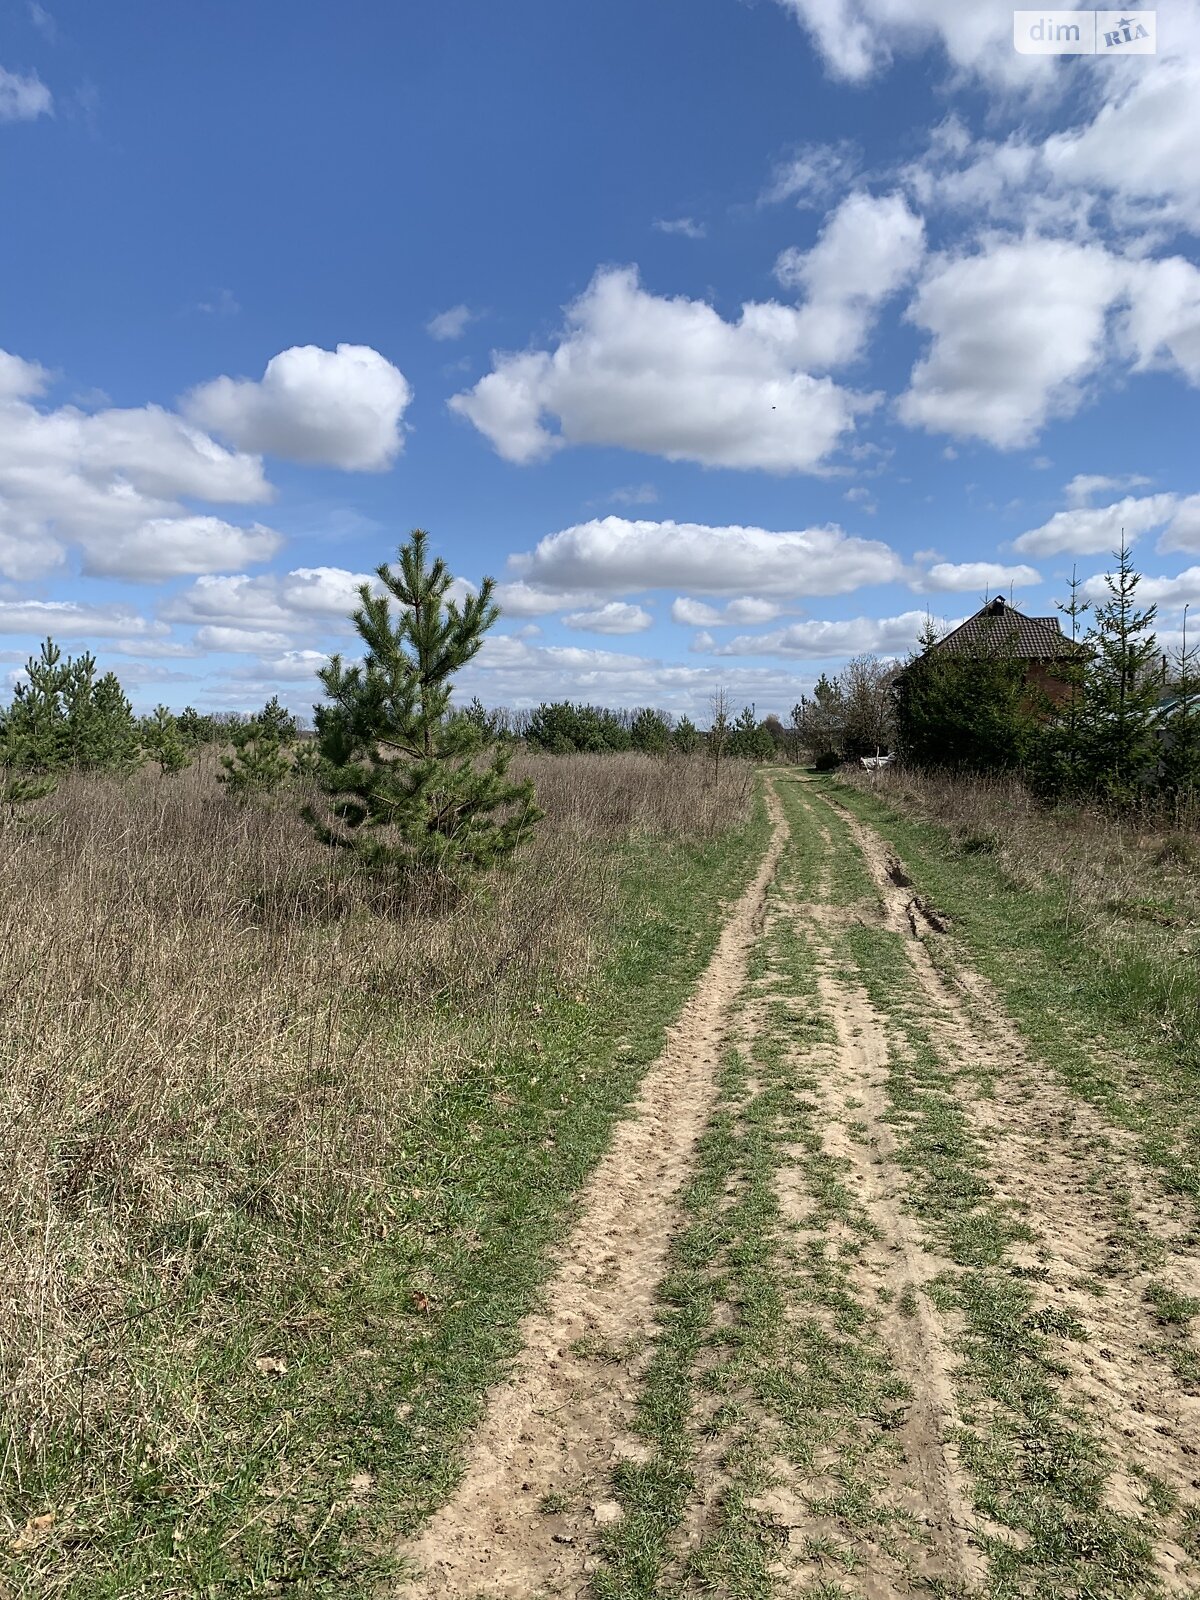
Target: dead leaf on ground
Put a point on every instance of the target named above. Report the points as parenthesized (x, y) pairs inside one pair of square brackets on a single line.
[(422, 1302), (32, 1534), (272, 1366)]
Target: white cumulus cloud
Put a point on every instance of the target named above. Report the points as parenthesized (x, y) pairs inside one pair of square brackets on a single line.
[(1089, 530), (614, 554), (739, 612), (338, 408), (110, 482), (170, 547), (23, 97), (667, 377), (824, 641), (1169, 594), (281, 603), (963, 577), (71, 619), (1017, 329), (615, 616), (869, 248)]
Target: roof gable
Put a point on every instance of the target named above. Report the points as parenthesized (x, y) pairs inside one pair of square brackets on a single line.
[(1001, 627)]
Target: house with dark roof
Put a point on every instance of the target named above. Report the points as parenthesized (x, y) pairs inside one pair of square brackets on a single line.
[(1038, 643)]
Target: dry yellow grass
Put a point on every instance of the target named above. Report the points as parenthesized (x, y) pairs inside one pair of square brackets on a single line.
[(1114, 867), (211, 1040), (1126, 888)]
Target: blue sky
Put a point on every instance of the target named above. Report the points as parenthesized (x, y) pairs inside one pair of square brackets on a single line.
[(730, 337)]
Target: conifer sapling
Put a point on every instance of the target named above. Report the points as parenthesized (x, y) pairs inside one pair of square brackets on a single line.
[(413, 787)]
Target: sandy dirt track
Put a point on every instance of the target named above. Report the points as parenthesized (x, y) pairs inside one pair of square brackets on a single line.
[(536, 1494), (562, 1418)]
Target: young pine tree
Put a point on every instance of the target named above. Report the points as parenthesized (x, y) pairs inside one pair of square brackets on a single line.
[(278, 723), (1121, 746), (686, 737), (36, 738), (825, 723), (259, 763), (414, 788), (196, 729), (1059, 768), (163, 742), (650, 732), (63, 716), (115, 745)]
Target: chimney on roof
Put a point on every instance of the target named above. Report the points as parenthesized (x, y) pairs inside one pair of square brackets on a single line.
[(996, 607)]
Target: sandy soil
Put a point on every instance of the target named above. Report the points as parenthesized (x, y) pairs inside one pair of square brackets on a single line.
[(561, 1420), (554, 1429)]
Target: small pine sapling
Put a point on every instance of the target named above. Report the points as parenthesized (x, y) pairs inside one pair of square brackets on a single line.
[(415, 789), (163, 742), (306, 761), (259, 763)]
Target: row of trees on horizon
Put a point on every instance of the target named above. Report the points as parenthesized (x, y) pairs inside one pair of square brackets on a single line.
[(1116, 733)]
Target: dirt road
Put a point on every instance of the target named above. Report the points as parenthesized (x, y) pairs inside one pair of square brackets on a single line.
[(860, 1302)]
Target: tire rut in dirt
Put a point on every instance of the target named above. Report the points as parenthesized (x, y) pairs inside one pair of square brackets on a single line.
[(524, 1517), (1106, 1230)]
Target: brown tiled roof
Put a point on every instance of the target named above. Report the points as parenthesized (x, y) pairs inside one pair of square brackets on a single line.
[(999, 626)]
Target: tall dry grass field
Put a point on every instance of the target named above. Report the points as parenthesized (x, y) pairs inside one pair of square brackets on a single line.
[(212, 1038)]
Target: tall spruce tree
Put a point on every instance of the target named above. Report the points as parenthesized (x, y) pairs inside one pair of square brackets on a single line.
[(413, 787), (1121, 744)]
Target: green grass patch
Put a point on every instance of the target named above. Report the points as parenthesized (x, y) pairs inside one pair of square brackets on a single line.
[(1120, 1027)]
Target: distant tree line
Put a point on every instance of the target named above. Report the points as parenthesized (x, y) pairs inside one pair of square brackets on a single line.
[(565, 727), (1122, 727), (65, 717)]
